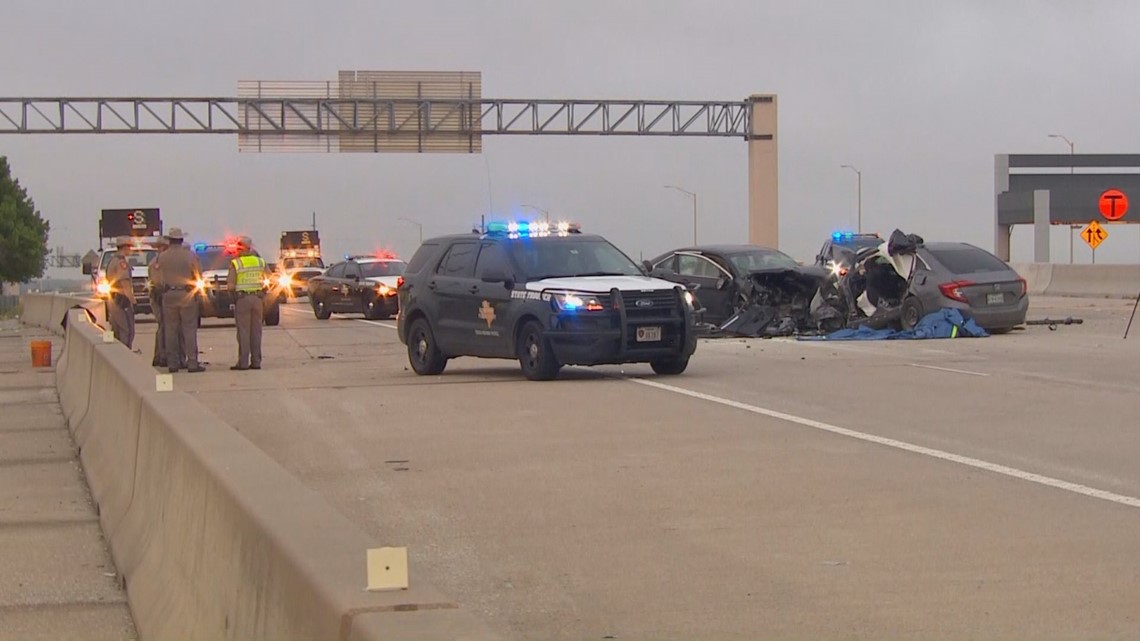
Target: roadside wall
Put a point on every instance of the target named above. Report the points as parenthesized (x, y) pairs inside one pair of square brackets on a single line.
[(215, 539), (47, 310), (1081, 281)]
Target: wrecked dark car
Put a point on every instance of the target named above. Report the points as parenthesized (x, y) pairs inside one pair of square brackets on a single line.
[(898, 282), (745, 290)]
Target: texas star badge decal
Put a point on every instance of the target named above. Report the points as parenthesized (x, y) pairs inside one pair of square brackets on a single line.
[(487, 313)]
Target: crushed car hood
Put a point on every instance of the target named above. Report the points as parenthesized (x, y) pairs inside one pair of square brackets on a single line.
[(600, 284)]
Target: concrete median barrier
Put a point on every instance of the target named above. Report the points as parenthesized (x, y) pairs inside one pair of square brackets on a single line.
[(1081, 281), (1037, 276), (215, 539), (47, 310), (73, 371)]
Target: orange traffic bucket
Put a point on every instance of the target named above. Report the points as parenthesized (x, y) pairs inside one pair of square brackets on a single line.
[(41, 353)]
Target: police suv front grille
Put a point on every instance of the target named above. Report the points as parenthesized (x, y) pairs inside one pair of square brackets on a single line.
[(654, 304)]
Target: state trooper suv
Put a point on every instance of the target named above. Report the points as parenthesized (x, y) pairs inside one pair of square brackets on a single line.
[(547, 295)]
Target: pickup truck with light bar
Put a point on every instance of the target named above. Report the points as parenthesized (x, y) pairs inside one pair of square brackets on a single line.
[(298, 260), (143, 226), (542, 293)]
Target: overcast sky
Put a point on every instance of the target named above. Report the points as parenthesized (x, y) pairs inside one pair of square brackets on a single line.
[(918, 94)]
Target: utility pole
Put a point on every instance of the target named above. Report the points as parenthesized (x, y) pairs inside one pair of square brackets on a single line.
[(314, 221)]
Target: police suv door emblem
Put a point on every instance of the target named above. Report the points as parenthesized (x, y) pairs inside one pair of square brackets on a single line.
[(487, 313), (644, 302)]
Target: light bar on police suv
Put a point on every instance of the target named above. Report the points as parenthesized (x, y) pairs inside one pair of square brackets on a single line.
[(527, 229)]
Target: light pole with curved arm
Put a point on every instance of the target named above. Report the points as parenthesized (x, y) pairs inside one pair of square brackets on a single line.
[(417, 224), (859, 196), (539, 210), (1072, 228), (694, 197)]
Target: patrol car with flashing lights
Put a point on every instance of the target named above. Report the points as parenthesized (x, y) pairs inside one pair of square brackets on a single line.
[(838, 252), (214, 299), (545, 294), (358, 285)]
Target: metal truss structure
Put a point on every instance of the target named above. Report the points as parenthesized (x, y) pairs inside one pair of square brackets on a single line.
[(416, 117)]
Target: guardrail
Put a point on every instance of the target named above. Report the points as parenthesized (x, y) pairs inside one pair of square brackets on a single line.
[(213, 538), (1081, 281)]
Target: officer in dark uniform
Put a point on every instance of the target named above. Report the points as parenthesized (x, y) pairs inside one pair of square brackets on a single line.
[(156, 291), (122, 307), (180, 271)]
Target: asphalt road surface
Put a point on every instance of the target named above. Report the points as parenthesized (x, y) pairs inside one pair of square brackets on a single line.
[(970, 488)]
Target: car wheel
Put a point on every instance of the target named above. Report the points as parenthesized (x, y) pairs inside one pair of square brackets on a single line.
[(911, 313), (670, 366), (535, 354), (320, 309), (423, 353), (273, 315), (373, 310), (1000, 330)]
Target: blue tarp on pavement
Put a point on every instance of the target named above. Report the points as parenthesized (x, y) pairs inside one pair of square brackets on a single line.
[(944, 323)]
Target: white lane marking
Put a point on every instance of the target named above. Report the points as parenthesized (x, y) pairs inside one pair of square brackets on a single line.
[(949, 369), (376, 323), (1076, 488), (359, 320)]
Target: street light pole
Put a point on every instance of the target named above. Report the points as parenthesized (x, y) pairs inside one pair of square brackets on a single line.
[(1071, 227), (859, 196), (542, 211), (694, 197), (417, 224)]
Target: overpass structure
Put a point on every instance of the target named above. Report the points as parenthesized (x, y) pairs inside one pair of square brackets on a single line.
[(1028, 190), (413, 112)]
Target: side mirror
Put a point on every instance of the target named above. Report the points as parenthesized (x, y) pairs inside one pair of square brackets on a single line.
[(722, 282), (88, 269), (647, 266)]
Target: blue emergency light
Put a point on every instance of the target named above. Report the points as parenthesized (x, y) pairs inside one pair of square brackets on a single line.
[(527, 229), (841, 236), (199, 247)]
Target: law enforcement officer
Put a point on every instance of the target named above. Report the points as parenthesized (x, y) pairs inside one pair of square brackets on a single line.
[(179, 272), (156, 291), (122, 305), (246, 280)]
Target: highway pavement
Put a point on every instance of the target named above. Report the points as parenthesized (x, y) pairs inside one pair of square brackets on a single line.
[(968, 488)]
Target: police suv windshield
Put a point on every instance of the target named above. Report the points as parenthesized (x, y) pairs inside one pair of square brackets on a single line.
[(137, 258), (561, 257)]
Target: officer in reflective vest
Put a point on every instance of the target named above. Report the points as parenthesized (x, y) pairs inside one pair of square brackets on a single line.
[(246, 281)]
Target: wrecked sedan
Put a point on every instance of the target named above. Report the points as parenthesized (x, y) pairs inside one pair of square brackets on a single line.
[(898, 282), (745, 290)]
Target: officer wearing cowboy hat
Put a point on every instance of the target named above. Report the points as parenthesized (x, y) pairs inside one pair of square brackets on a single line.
[(179, 272), (121, 307)]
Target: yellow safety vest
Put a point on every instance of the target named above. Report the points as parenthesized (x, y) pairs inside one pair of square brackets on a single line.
[(250, 270)]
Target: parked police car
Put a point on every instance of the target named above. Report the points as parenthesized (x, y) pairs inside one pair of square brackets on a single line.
[(547, 295), (358, 285)]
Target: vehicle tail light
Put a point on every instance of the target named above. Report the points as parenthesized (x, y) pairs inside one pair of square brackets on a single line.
[(399, 282), (953, 290), (1024, 287)]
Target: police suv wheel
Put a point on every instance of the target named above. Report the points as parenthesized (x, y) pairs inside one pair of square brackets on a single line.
[(670, 367), (535, 355), (320, 310), (423, 353)]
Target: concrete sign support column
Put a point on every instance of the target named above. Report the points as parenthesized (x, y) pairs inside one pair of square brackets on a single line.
[(1001, 185), (1041, 225), (763, 174)]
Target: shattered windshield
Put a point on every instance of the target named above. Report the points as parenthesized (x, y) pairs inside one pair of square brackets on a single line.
[(565, 257), (762, 259)]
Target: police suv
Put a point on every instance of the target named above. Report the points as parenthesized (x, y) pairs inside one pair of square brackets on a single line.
[(214, 299), (545, 294)]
